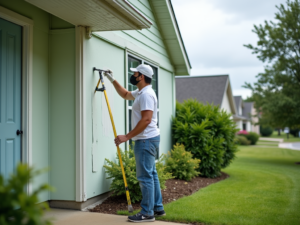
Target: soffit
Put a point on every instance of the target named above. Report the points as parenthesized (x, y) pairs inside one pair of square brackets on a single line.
[(169, 29), (100, 15)]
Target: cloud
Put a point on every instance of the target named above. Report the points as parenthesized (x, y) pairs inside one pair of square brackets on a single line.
[(248, 10), (214, 32)]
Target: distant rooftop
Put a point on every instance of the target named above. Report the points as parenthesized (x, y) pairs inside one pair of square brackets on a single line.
[(200, 87)]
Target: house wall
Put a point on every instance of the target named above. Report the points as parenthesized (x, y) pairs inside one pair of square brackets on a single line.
[(239, 125), (255, 128), (166, 106), (40, 88), (53, 94), (99, 135), (225, 104), (62, 113), (109, 50)]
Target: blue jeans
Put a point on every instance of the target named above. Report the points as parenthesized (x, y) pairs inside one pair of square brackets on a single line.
[(145, 151)]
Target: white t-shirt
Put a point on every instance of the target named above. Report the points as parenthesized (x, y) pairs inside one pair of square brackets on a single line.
[(145, 99)]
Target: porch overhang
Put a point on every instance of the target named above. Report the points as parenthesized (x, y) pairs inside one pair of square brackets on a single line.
[(239, 118), (99, 15)]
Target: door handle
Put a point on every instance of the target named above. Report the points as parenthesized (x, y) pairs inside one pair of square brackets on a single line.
[(19, 132)]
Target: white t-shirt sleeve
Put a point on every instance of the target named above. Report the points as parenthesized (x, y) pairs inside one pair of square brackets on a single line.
[(147, 102), (135, 93)]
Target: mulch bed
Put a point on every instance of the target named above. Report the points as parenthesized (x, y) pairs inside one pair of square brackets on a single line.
[(175, 189)]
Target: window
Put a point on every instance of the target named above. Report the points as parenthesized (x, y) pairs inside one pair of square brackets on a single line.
[(132, 63)]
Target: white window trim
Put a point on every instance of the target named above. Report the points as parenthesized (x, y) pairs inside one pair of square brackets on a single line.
[(27, 41), (126, 81)]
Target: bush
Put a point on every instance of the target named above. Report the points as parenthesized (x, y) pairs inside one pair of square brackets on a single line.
[(265, 131), (181, 164), (294, 132), (241, 140), (243, 132), (17, 207), (252, 137), (207, 133), (114, 171)]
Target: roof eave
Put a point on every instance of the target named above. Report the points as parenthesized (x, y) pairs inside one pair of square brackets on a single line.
[(95, 13), (172, 38)]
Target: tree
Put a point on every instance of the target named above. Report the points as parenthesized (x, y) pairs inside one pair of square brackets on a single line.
[(277, 92)]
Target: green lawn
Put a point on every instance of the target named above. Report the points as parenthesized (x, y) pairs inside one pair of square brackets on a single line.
[(283, 135), (266, 143), (263, 188)]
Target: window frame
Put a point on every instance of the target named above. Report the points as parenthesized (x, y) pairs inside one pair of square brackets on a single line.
[(128, 107)]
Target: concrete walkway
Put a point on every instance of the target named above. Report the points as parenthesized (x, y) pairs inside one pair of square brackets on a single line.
[(73, 217), (293, 146), (271, 139)]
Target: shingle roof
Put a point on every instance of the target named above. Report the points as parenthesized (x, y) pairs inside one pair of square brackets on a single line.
[(237, 100), (247, 109), (209, 89)]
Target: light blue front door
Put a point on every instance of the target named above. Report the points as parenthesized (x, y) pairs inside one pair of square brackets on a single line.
[(10, 96)]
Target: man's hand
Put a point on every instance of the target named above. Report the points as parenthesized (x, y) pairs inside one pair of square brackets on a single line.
[(120, 139), (109, 74)]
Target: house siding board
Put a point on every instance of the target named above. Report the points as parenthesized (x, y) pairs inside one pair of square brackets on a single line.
[(165, 110), (40, 91), (62, 113), (100, 145)]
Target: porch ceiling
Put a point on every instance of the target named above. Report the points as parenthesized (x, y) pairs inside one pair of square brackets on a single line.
[(100, 15)]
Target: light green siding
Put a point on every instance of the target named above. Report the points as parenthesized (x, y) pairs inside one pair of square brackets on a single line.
[(147, 43), (40, 91), (62, 113), (98, 144), (166, 111)]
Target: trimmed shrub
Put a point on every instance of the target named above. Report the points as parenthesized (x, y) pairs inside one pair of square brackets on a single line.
[(265, 131), (252, 137), (114, 171), (241, 140), (181, 164), (17, 207), (207, 133)]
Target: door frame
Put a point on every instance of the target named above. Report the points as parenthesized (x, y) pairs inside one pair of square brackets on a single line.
[(26, 100)]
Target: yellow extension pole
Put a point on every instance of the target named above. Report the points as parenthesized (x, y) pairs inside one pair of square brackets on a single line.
[(130, 208)]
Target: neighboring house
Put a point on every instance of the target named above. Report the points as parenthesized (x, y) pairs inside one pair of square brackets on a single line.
[(48, 51), (206, 89), (243, 117)]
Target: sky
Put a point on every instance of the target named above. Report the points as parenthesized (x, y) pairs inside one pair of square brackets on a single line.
[(214, 32)]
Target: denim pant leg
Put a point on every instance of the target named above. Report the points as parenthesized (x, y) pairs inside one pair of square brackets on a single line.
[(158, 206), (145, 151)]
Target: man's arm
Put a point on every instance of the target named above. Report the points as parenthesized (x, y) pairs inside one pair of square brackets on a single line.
[(142, 124), (122, 91)]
